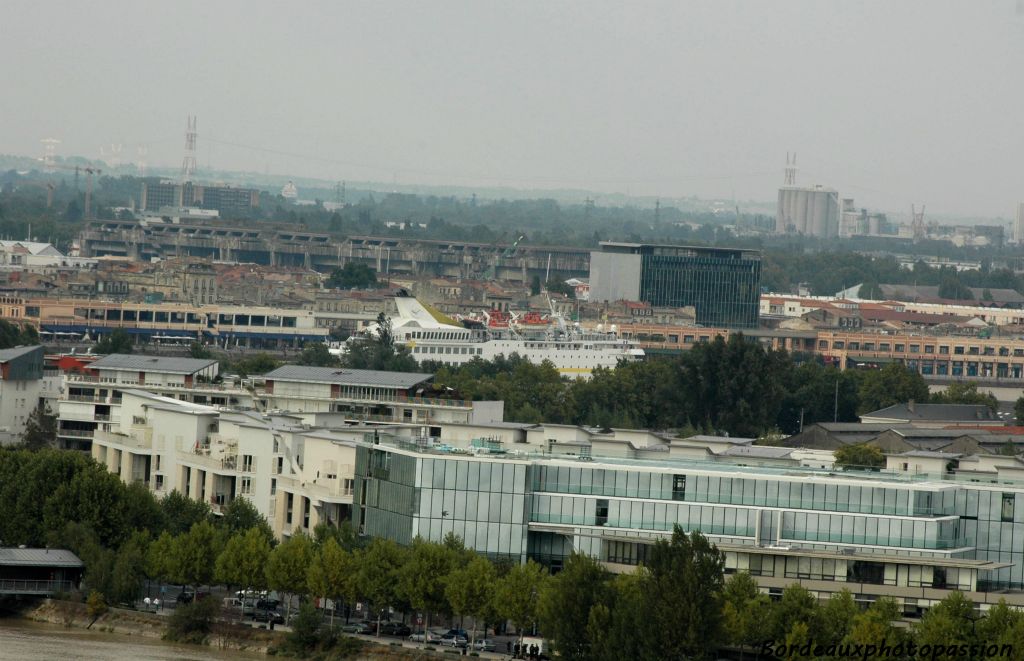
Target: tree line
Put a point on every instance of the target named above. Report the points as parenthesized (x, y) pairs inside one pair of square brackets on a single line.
[(733, 386)]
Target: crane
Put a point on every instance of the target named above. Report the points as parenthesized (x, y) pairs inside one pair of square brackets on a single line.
[(88, 169)]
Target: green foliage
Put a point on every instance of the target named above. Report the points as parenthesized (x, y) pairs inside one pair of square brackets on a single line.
[(243, 560), (118, 341), (331, 572), (797, 606), (16, 335), (288, 565), (95, 606), (318, 355), (191, 623), (1018, 410), (516, 594), (354, 275), (181, 512), (380, 352), (198, 350), (965, 393), (40, 429), (344, 534), (129, 569), (260, 363), (875, 625), (470, 590), (559, 287), (682, 588), (240, 516), (377, 573), (859, 455), (950, 622), (194, 554), (746, 612), (566, 603), (951, 288), (423, 575), (893, 384)]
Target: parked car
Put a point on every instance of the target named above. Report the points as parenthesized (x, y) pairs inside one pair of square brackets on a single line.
[(394, 629), (267, 604), (454, 640), (429, 637), (268, 616), (484, 645), (359, 627)]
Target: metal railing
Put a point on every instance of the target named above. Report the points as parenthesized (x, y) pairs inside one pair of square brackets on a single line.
[(22, 586), (76, 433)]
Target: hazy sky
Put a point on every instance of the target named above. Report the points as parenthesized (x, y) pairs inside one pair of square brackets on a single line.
[(891, 102)]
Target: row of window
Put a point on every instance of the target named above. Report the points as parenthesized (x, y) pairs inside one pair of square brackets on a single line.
[(161, 317), (899, 347), (477, 351)]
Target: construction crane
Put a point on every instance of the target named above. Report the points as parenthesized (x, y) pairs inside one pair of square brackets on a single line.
[(88, 185)]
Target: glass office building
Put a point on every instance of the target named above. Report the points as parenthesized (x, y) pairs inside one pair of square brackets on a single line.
[(723, 285), (874, 533)]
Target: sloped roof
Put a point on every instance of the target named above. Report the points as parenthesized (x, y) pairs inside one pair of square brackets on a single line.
[(38, 558), (348, 377), (758, 451), (16, 352), (935, 412), (143, 363)]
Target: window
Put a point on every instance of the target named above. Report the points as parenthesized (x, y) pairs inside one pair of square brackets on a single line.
[(349, 486), (246, 463), (1007, 512), (678, 487), (289, 503), (246, 485), (159, 482), (273, 486), (602, 512), (928, 348)]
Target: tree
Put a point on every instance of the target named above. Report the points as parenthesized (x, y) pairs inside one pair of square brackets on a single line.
[(1018, 410), (745, 612), (354, 275), (965, 393), (516, 595), (117, 341), (40, 429), (797, 606), (377, 574), (318, 355), (859, 455), (160, 560), (535, 286), (835, 618), (240, 516), (244, 560), (566, 602), (199, 350), (422, 577), (261, 363), (683, 590), (194, 555), (890, 385), (15, 335), (875, 625), (331, 573), (288, 565), (948, 623), (95, 606), (129, 569), (560, 287), (180, 512), (470, 590)]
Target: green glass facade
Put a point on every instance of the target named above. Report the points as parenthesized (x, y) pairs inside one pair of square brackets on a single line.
[(723, 285)]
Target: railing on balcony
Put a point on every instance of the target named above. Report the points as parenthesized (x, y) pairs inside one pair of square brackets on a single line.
[(76, 433), (196, 385), (23, 586)]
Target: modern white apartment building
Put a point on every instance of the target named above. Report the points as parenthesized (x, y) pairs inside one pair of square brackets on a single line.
[(371, 396), (92, 398), (21, 375)]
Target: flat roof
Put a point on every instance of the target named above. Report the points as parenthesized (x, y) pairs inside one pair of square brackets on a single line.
[(347, 377), (618, 245), (143, 363)]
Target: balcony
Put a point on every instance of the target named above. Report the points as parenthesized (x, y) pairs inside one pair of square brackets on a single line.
[(196, 385), (142, 440), (76, 433)]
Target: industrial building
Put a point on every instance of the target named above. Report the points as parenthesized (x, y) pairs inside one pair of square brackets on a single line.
[(811, 211), (228, 201), (722, 284)]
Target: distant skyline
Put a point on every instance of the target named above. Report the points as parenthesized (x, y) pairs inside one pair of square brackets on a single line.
[(891, 103)]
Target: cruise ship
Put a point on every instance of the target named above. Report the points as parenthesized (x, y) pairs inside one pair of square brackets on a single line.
[(573, 352)]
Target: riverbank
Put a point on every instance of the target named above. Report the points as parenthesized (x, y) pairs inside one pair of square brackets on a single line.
[(71, 614), (231, 639)]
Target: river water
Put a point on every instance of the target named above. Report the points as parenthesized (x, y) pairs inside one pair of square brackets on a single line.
[(32, 641)]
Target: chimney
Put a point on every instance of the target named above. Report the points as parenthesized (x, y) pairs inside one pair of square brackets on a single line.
[(910, 406)]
